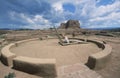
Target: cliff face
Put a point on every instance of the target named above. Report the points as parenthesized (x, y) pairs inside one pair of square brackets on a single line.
[(70, 24)]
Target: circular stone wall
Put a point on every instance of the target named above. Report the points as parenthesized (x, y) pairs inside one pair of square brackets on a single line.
[(64, 55)]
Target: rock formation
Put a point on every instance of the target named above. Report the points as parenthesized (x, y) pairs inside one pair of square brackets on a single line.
[(70, 24), (62, 25)]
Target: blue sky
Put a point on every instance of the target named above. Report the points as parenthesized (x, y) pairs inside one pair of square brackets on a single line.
[(46, 13)]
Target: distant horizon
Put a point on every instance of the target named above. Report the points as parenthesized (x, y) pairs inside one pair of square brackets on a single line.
[(51, 27)]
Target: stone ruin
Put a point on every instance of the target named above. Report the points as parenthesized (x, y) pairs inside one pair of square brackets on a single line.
[(70, 24)]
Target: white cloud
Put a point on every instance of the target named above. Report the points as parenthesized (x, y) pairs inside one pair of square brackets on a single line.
[(113, 16), (58, 6), (39, 18), (36, 21), (102, 15), (102, 10), (87, 12), (27, 19), (88, 8), (107, 21)]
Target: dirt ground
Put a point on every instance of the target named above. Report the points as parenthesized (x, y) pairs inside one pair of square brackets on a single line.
[(112, 70), (64, 55)]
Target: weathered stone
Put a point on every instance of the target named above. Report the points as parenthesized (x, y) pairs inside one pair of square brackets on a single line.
[(71, 24), (62, 25)]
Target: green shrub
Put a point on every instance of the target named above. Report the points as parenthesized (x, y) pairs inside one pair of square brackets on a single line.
[(10, 75)]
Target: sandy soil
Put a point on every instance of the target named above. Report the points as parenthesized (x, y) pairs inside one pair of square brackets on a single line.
[(64, 55), (112, 70)]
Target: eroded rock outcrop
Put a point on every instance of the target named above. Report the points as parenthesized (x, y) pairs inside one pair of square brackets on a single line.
[(70, 24)]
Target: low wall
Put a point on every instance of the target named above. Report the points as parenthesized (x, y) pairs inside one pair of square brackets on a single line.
[(6, 55), (42, 67), (98, 43), (23, 41), (100, 60), (47, 66)]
